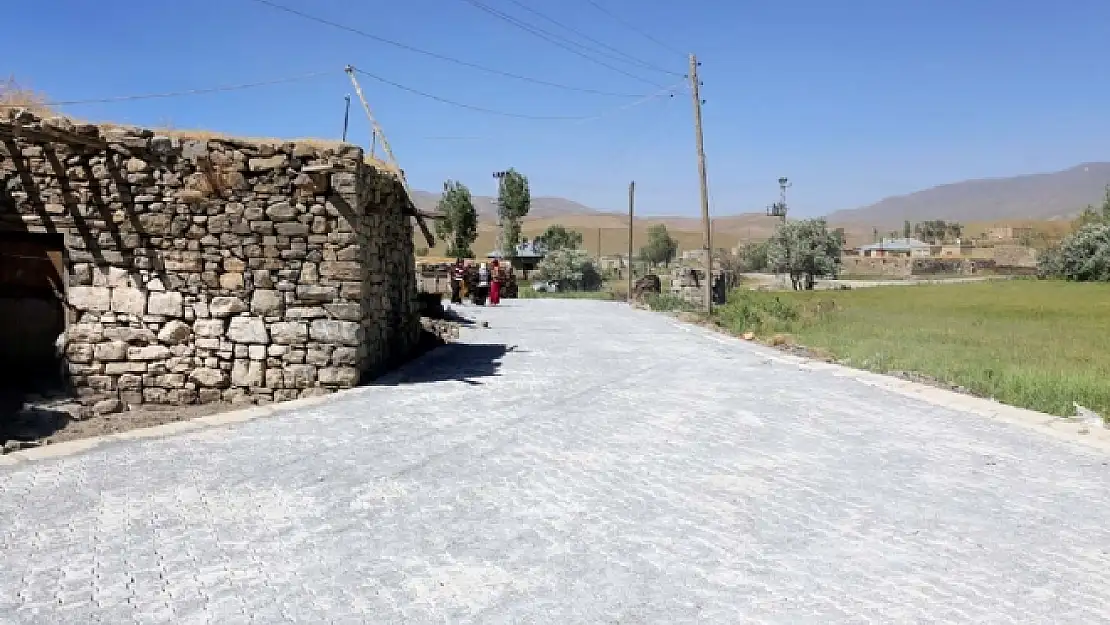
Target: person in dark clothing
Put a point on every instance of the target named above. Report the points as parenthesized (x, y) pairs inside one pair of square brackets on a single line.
[(458, 274)]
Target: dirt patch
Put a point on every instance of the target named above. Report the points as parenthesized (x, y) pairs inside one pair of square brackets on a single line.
[(44, 421)]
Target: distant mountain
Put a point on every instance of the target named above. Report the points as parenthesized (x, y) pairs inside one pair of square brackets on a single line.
[(542, 207), (1057, 195)]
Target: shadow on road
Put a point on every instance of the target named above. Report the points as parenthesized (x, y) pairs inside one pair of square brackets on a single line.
[(464, 362), (23, 420)]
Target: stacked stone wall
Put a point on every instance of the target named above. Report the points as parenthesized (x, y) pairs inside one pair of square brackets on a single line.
[(216, 269)]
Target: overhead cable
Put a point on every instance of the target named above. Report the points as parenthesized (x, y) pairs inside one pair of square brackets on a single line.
[(436, 55)]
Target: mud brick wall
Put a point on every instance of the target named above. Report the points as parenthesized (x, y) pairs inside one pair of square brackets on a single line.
[(216, 269)]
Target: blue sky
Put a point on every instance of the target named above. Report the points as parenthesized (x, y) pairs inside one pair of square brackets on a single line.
[(854, 100)]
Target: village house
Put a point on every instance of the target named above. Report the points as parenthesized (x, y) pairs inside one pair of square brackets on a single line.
[(154, 269), (528, 256), (906, 248)]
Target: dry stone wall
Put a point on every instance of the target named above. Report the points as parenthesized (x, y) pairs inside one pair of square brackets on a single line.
[(217, 269)]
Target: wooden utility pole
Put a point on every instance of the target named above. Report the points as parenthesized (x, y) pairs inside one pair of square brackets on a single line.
[(599, 245), (631, 210), (695, 90)]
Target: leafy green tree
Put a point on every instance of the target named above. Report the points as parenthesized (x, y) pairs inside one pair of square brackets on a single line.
[(557, 237), (1083, 256), (661, 246), (514, 199), (804, 250), (572, 268), (459, 226), (1091, 215), (938, 231), (752, 257)]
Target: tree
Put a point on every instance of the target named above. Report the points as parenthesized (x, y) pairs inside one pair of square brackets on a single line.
[(1091, 215), (571, 268), (804, 250), (1083, 256), (513, 202), (557, 237), (907, 229), (459, 226), (938, 231), (661, 246), (752, 257)]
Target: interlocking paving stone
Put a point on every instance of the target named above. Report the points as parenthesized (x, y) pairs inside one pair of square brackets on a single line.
[(609, 467)]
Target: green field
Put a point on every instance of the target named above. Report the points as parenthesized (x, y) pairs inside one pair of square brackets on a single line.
[(607, 292), (1035, 344)]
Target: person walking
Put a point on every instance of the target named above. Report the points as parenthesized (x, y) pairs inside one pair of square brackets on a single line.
[(482, 291), (458, 274), (495, 283)]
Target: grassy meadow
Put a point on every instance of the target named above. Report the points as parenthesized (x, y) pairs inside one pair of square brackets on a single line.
[(1035, 344)]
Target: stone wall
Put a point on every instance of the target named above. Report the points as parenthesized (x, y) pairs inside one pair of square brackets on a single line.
[(206, 270), (872, 266)]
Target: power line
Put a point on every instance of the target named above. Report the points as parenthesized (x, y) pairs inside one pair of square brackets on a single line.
[(630, 58), (480, 109), (174, 94), (553, 39), (436, 55), (631, 27)]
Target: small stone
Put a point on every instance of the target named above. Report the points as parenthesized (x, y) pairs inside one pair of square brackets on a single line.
[(248, 330), (309, 293), (207, 377), (282, 211), (150, 352), (306, 312), (168, 304), (299, 376), (341, 270), (265, 164), (107, 406), (175, 333), (341, 376), (136, 165), (209, 328), (111, 351), (331, 331), (346, 312), (345, 356), (231, 281), (289, 332), (129, 301), (226, 306), (249, 373), (267, 303)]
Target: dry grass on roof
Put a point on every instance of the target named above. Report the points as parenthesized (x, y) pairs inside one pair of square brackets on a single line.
[(14, 96)]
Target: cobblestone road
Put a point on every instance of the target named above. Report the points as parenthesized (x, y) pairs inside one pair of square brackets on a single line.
[(575, 462)]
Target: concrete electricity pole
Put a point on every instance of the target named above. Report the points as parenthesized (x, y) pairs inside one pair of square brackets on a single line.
[(695, 90), (631, 210)]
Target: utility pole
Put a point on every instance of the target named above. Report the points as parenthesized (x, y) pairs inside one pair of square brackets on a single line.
[(599, 245), (631, 209), (695, 90), (346, 115)]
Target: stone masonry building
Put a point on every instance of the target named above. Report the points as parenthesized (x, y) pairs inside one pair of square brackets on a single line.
[(167, 270)]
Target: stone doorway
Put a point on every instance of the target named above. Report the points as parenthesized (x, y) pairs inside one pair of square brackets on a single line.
[(32, 311)]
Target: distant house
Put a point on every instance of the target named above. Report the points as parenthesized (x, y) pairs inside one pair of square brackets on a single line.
[(1001, 233), (906, 248), (528, 256)]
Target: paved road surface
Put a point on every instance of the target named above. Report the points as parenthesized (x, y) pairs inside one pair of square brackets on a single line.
[(576, 462)]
